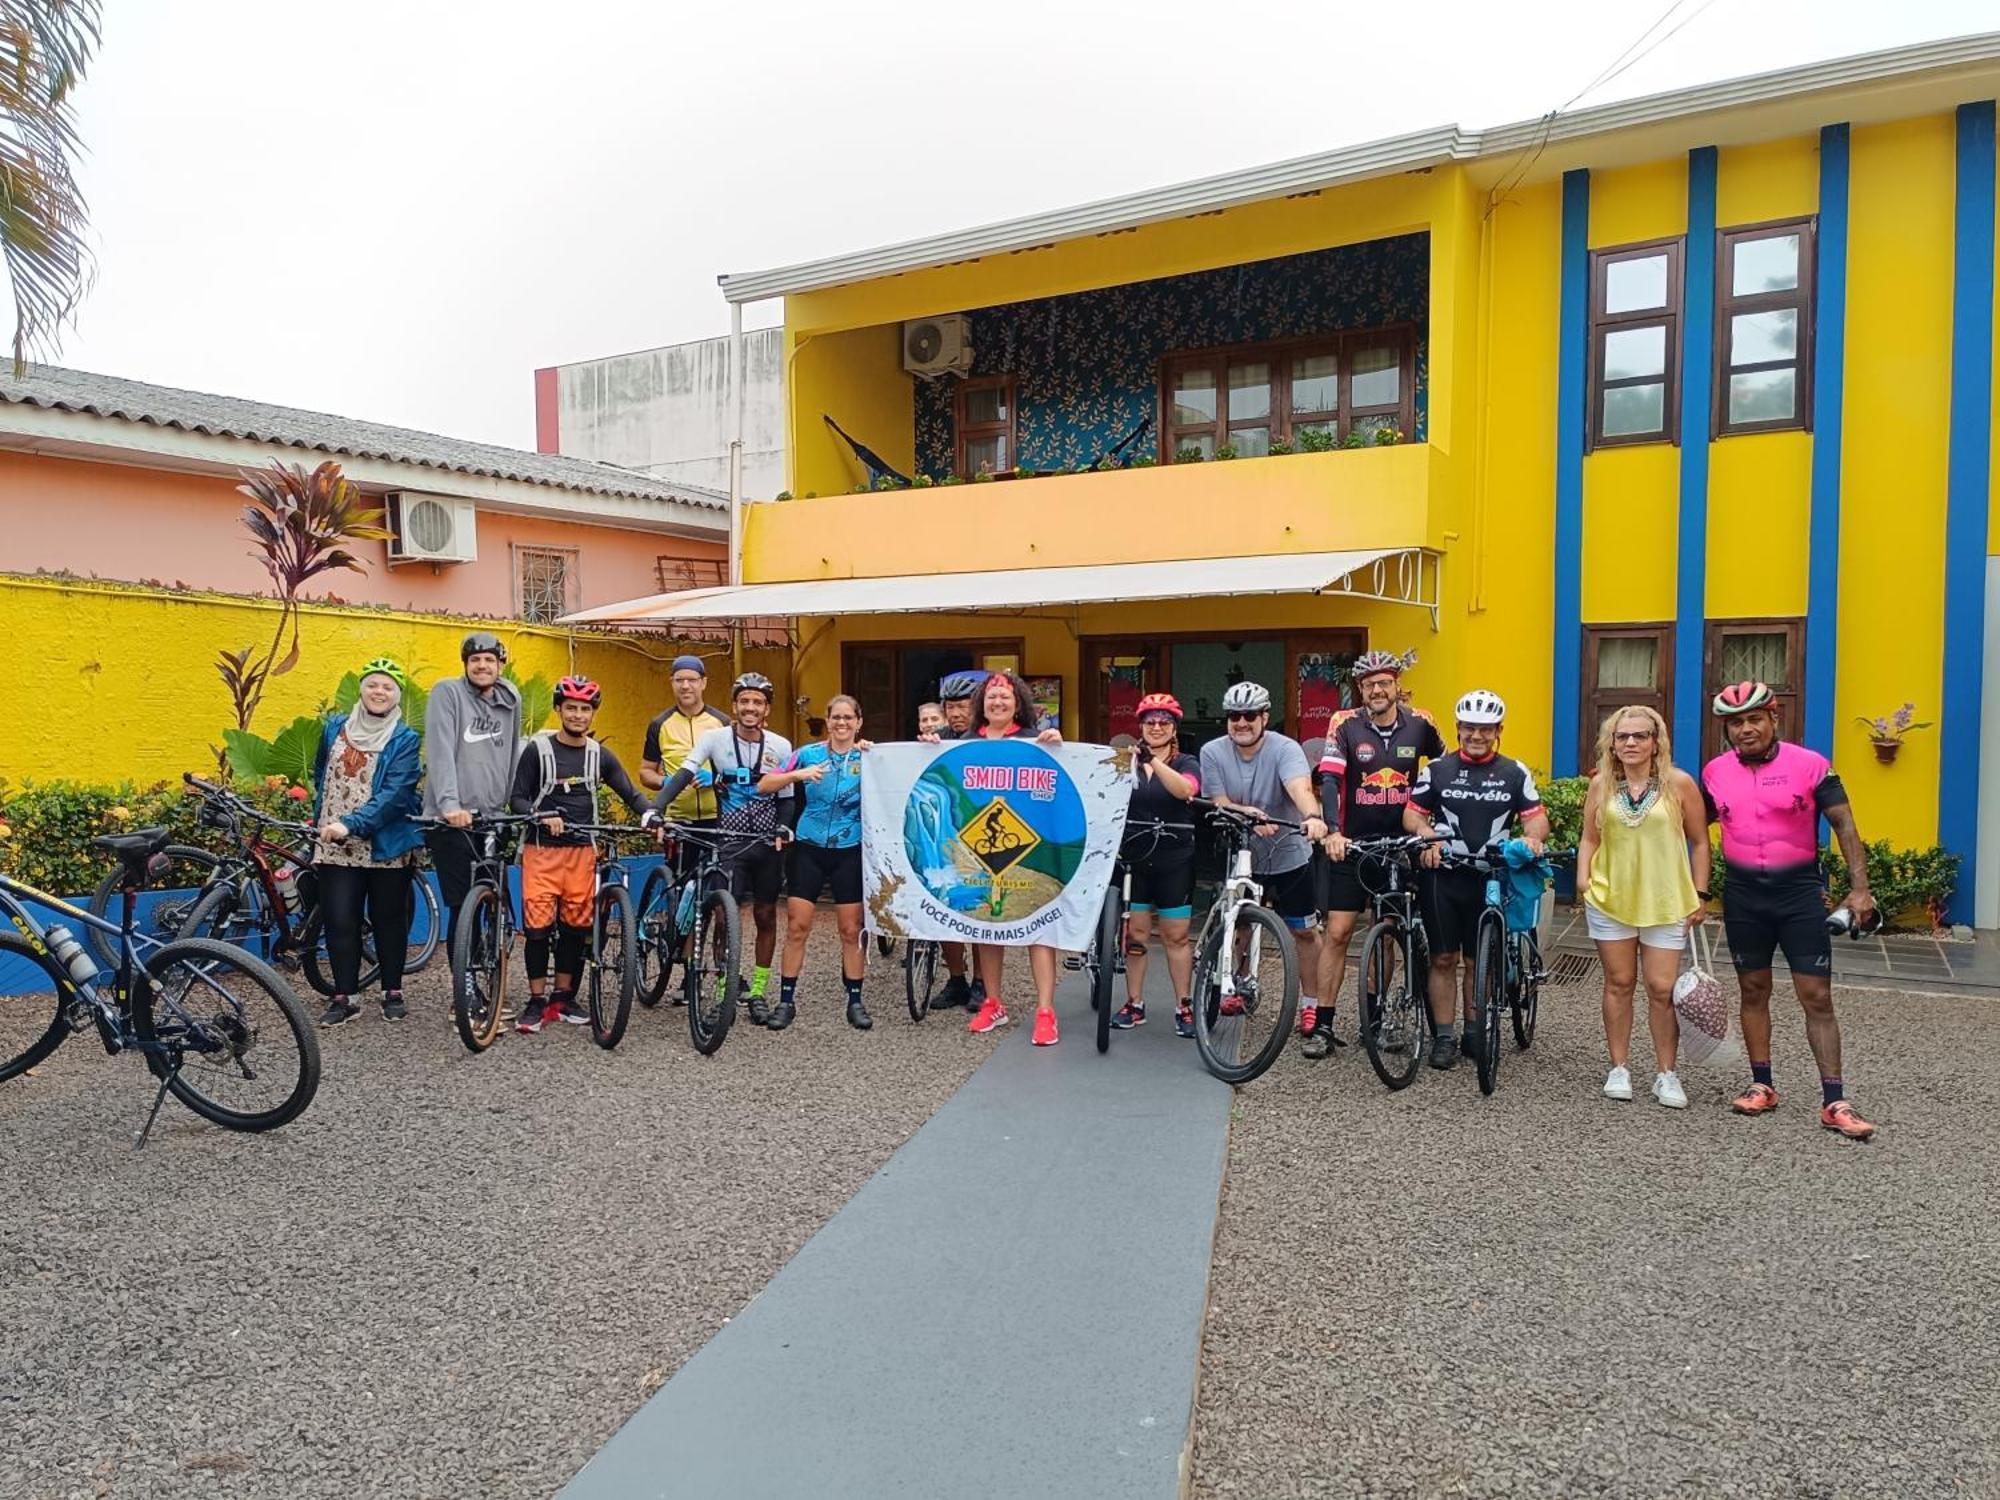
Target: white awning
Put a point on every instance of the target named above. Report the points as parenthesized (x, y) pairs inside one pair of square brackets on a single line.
[(1403, 575)]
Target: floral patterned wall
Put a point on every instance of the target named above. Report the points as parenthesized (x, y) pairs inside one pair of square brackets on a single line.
[(1086, 366)]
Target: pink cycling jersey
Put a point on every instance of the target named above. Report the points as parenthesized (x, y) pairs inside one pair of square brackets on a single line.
[(1770, 809)]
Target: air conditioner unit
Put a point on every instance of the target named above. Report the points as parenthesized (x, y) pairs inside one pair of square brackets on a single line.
[(431, 528), (938, 346)]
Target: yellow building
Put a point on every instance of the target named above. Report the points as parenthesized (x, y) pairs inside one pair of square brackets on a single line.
[(1613, 407)]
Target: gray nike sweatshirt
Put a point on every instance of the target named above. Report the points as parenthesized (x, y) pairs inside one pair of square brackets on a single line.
[(471, 742)]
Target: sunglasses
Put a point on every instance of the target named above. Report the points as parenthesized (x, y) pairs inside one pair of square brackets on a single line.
[(1154, 721), (1244, 718)]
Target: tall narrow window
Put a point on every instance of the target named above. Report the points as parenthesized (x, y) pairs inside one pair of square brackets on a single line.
[(1624, 666), (1771, 651), (1635, 343), (986, 425), (545, 579), (1763, 334)]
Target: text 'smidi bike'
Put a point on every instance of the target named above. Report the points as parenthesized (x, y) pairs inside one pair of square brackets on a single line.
[(217, 1026), (1394, 973), (1507, 971), (482, 942), (1104, 960), (1246, 967)]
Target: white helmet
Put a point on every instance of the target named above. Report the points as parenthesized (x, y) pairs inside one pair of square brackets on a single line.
[(1246, 698), (1481, 707)]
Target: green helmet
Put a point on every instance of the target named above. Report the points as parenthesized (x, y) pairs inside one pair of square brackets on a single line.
[(389, 667)]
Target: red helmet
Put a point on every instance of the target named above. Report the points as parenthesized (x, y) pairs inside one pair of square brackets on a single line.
[(579, 690), (1740, 698), (1160, 703)]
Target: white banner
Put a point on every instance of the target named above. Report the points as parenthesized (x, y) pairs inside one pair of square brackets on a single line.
[(991, 841)]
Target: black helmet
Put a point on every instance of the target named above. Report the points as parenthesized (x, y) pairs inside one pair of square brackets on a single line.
[(482, 640), (755, 682)]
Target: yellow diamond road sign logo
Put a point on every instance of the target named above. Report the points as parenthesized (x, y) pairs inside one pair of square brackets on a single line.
[(998, 837)]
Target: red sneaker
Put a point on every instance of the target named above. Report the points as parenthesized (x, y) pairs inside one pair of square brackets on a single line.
[(1758, 1099), (1840, 1116), (992, 1016), (1308, 1015), (1045, 1028)]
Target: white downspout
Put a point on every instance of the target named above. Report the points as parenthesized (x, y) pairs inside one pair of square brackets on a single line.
[(736, 478)]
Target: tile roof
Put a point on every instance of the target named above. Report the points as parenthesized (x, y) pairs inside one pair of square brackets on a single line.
[(257, 421)]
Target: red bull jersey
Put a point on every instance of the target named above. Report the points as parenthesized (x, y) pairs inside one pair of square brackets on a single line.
[(1367, 770)]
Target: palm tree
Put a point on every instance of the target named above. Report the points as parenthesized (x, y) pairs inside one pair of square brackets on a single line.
[(44, 47)]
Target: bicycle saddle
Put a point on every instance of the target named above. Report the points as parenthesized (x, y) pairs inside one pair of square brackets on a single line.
[(140, 844)]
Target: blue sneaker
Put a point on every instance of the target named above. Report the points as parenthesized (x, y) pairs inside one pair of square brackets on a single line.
[(1128, 1016)]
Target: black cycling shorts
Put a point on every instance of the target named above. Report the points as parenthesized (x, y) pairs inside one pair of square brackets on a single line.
[(1340, 886), (756, 874), (1163, 881), (1293, 895), (811, 868), (1451, 902), (1763, 911)]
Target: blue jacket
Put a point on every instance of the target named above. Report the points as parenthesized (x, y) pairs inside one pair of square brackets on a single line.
[(1523, 878), (386, 818)]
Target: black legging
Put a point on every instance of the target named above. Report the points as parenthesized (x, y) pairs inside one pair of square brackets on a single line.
[(385, 889), (569, 943)]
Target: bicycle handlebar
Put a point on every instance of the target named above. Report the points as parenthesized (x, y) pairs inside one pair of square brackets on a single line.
[(1246, 820), (239, 806)]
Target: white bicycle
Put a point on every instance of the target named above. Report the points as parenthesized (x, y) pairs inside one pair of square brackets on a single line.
[(1246, 967)]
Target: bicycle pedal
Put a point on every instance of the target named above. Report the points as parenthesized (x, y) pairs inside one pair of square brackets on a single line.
[(1073, 962)]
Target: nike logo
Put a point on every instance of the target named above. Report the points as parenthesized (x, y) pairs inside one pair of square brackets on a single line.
[(473, 739)]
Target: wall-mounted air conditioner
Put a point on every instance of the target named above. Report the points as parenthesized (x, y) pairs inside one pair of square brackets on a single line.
[(938, 346), (431, 528)]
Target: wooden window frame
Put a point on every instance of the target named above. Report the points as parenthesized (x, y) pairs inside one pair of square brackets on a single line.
[(1158, 647), (1790, 698), (1596, 701), (966, 431), (1279, 354), (1602, 323), (1802, 298), (572, 578), (978, 647)]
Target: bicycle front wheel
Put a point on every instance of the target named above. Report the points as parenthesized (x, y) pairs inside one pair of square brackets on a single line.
[(1394, 1006), (1104, 973), (1528, 994), (656, 939), (1488, 999), (479, 961), (1245, 997), (317, 962), (227, 1034), (614, 966), (920, 966), (32, 1024), (427, 918), (711, 977)]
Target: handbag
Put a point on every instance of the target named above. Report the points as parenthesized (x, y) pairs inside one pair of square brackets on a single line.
[(1701, 1006)]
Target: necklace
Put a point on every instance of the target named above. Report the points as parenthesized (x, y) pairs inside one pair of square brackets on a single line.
[(1632, 810)]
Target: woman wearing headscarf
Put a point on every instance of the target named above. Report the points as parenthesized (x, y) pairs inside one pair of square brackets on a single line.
[(365, 804)]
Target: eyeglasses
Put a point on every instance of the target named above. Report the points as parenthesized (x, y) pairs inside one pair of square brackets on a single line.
[(1632, 736), (1156, 721), (1236, 718)]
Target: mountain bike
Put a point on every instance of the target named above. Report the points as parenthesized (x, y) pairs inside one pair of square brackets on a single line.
[(1246, 968), (482, 943), (710, 926), (922, 959), (1507, 969), (612, 962), (1394, 973), (218, 1028), (1104, 960)]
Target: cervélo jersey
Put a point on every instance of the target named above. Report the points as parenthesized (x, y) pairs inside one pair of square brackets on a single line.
[(1367, 770), (1474, 802)]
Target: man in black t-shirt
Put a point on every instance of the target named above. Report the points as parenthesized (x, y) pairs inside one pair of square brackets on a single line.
[(1471, 796), (1371, 761)]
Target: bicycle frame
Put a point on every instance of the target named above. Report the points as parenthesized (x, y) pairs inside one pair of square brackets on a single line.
[(110, 1013), (1240, 888)]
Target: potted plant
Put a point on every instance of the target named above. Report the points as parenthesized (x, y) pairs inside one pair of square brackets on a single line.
[(1188, 455), (1316, 440), (1226, 452), (1886, 734)]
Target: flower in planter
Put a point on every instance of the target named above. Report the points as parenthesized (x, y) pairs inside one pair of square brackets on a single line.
[(298, 794), (1226, 452), (1890, 730)]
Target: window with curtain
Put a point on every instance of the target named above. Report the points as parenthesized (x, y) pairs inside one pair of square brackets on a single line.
[(1763, 333), (1623, 666), (985, 425), (1770, 651), (1635, 348)]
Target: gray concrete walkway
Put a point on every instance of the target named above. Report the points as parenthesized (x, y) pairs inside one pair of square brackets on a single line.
[(1011, 1307)]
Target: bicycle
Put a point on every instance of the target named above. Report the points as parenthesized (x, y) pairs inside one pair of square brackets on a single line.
[(482, 941), (1507, 965), (1393, 976), (708, 933), (205, 1015), (1243, 956), (921, 961), (614, 935), (1104, 959)]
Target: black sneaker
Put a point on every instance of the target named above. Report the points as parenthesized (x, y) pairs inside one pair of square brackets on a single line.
[(572, 1012), (952, 996), (393, 1008), (1318, 1043), (1472, 1044), (780, 1015), (759, 1007), (339, 1011), (1444, 1051), (858, 1017), (976, 996)]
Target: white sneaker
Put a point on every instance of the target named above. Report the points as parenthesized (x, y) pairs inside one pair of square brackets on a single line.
[(1618, 1084), (1667, 1089)]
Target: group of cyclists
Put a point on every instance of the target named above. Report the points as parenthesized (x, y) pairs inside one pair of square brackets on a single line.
[(1385, 773)]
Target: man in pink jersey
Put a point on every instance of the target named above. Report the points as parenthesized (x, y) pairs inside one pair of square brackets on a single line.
[(1769, 795)]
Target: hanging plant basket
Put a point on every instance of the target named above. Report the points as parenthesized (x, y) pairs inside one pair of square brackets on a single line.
[(1885, 750)]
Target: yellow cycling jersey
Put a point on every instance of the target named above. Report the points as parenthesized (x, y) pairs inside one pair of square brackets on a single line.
[(669, 738)]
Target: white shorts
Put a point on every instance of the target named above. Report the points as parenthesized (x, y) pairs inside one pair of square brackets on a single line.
[(1605, 929)]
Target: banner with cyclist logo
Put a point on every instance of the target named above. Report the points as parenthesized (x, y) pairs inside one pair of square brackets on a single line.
[(991, 841)]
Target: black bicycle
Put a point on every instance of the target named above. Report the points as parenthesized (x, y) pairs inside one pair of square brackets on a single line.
[(217, 1026), (707, 934), (612, 964), (1507, 972), (1394, 973), (922, 959), (1104, 960), (482, 943)]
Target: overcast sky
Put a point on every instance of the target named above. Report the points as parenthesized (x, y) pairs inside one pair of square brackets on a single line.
[(397, 209)]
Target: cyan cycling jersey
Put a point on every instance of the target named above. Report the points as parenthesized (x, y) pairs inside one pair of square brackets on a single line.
[(832, 814)]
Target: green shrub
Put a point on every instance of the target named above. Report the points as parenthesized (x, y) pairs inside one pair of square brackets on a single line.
[(1316, 440), (49, 825), (1563, 797)]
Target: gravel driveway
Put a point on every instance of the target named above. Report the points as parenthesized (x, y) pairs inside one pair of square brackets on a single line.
[(455, 1276), (1544, 1293)]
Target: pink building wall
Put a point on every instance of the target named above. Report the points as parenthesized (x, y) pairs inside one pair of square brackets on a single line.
[(117, 521)]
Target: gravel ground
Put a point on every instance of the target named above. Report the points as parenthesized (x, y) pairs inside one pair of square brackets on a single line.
[(454, 1276), (1543, 1293)]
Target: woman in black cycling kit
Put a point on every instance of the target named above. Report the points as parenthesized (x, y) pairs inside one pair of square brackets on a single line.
[(1161, 860)]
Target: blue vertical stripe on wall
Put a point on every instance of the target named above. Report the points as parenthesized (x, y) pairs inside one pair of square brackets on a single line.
[(1571, 362), (1697, 392), (1969, 466), (1829, 396)]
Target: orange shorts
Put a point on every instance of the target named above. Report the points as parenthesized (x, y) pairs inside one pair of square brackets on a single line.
[(559, 878)]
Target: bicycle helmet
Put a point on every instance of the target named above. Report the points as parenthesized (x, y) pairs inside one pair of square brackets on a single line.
[(959, 686), (1160, 703), (1481, 707), (752, 682), (1369, 663), (482, 640), (1247, 698), (387, 667), (1740, 698), (579, 690)]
